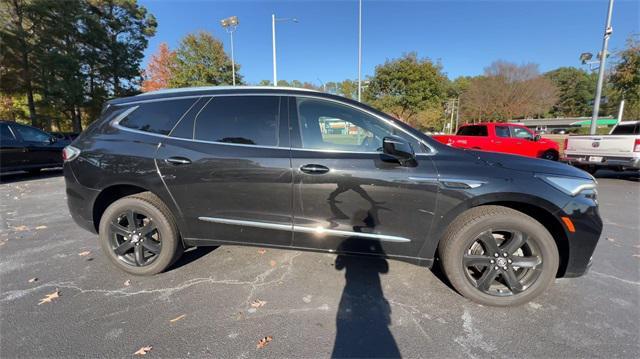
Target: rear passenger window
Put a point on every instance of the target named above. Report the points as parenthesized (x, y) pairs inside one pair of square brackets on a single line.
[(502, 131), (473, 130), (157, 117), (248, 120), (626, 129), (5, 133)]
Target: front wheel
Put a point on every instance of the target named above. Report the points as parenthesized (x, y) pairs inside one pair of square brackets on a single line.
[(498, 256), (139, 235), (550, 155)]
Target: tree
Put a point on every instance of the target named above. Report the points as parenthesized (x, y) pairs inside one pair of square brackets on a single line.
[(575, 90), (159, 70), (407, 86), (625, 80), (507, 91), (200, 61)]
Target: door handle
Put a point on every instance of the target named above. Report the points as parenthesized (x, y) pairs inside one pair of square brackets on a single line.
[(178, 161), (314, 169)]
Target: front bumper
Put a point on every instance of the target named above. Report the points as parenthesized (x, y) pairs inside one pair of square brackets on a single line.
[(583, 212), (607, 161), (80, 200)]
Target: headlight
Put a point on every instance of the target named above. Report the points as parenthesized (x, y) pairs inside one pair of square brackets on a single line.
[(569, 185)]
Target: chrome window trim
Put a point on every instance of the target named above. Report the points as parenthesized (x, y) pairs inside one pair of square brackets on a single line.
[(116, 122), (222, 88), (303, 229)]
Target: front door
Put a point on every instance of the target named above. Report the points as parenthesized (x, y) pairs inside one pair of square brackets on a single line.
[(348, 196), (231, 177), (40, 148)]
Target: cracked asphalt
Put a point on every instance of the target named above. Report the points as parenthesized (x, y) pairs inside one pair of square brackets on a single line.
[(317, 305)]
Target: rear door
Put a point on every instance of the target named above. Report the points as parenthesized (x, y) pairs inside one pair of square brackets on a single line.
[(346, 196), (473, 136), (229, 170), (12, 152)]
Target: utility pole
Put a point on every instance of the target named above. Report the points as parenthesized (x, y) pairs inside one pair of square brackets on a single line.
[(620, 111), (359, 50), (273, 43), (603, 57)]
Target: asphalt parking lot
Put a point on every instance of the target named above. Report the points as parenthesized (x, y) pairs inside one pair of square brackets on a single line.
[(315, 305)]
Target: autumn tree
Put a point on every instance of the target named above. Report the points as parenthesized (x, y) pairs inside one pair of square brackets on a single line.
[(201, 60), (159, 70), (507, 91), (410, 88), (575, 90), (625, 80)]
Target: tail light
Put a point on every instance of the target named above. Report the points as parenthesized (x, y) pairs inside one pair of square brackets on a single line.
[(69, 153), (636, 145)]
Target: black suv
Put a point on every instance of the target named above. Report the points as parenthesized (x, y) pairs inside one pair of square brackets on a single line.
[(305, 170)]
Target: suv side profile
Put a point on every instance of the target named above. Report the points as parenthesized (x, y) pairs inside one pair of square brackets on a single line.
[(304, 170)]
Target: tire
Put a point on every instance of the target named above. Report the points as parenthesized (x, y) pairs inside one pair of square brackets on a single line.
[(464, 243), (550, 155), (160, 248), (591, 169)]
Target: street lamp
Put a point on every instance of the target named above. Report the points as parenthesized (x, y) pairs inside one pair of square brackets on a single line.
[(273, 42), (608, 30), (230, 24), (359, 50)]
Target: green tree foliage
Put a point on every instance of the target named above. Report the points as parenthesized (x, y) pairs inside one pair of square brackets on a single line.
[(409, 88), (68, 56), (201, 60), (625, 80), (576, 88)]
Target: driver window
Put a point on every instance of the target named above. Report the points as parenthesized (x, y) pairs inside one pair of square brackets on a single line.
[(327, 125), (521, 133)]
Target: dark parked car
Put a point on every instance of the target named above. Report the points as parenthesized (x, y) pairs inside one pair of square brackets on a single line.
[(304, 170), (26, 148)]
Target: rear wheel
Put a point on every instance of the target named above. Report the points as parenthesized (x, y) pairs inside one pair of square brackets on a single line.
[(550, 155), (139, 235), (498, 256)]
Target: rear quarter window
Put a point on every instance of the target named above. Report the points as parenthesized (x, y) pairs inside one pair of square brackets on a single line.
[(474, 130), (157, 117), (626, 129)]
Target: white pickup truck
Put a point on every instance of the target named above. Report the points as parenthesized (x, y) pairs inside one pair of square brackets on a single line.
[(620, 150)]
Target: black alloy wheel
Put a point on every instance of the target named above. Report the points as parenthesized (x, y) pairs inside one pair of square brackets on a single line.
[(135, 238)]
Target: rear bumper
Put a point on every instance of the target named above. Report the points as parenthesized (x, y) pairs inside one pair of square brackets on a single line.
[(607, 161), (80, 200), (585, 216)]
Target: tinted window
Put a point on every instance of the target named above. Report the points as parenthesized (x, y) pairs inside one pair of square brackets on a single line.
[(331, 126), (502, 131), (519, 132), (626, 129), (474, 130), (31, 134), (249, 120), (157, 117), (5, 133)]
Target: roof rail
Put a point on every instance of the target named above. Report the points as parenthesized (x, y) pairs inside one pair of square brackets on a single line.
[(221, 88)]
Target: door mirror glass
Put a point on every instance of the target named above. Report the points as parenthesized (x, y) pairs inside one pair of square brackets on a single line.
[(53, 139), (537, 138), (398, 148)]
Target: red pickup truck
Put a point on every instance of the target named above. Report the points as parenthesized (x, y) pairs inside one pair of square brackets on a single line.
[(502, 137)]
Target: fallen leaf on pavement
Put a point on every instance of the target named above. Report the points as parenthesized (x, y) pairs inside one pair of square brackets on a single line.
[(50, 297), (611, 239), (262, 251), (85, 253), (258, 303), (33, 280), (264, 341), (178, 318), (41, 227), (127, 282), (143, 350), (273, 263), (21, 228)]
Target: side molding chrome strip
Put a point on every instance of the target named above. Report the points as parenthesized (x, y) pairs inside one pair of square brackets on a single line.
[(302, 229), (461, 182)]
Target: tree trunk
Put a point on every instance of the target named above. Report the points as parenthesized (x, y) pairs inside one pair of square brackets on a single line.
[(77, 120)]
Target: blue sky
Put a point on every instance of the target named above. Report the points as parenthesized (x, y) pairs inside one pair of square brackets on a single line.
[(465, 36)]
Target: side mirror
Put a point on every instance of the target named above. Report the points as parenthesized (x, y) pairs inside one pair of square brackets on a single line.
[(53, 139), (398, 148), (537, 138)]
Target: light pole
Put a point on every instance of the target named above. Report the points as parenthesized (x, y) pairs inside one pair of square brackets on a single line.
[(359, 50), (231, 24), (273, 42), (603, 57)]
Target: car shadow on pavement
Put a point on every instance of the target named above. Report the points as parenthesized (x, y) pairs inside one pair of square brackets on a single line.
[(191, 255), (11, 177), (633, 176), (364, 314)]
